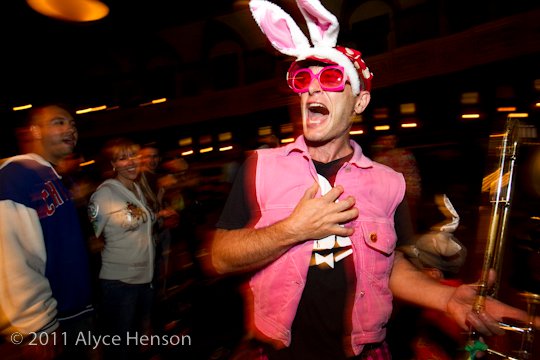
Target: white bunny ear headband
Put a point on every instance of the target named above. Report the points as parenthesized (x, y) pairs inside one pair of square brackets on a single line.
[(287, 37)]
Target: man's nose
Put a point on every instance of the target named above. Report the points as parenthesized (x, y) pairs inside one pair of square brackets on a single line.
[(71, 127), (314, 86)]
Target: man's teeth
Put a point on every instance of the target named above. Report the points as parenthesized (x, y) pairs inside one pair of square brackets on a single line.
[(315, 105), (318, 108)]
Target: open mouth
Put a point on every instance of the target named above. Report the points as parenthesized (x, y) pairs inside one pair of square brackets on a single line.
[(69, 141), (316, 112)]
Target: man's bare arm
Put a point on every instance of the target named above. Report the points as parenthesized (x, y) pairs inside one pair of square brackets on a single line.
[(456, 302), (426, 292)]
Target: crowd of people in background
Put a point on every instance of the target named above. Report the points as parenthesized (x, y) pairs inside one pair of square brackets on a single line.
[(110, 249)]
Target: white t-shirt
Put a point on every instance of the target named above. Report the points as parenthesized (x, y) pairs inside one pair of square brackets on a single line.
[(125, 222)]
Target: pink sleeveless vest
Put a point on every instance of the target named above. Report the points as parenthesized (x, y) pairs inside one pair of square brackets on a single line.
[(282, 176)]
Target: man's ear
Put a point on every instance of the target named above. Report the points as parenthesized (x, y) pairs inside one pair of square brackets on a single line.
[(362, 101), (35, 131)]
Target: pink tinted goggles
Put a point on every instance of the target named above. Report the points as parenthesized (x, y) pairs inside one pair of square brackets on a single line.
[(331, 78)]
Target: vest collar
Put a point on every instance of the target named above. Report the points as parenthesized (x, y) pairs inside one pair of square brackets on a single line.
[(358, 158)]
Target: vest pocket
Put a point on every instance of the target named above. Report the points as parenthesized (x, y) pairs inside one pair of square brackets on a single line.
[(379, 235)]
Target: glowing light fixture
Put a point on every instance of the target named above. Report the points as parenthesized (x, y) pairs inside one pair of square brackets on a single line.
[(90, 162), (470, 98), (265, 131), (409, 125), (226, 136), (226, 148), (356, 132), (470, 116), (22, 107), (407, 109), (357, 118), (153, 102), (518, 115), (506, 109), (287, 140), (205, 150), (186, 153), (70, 10), (87, 110), (382, 127), (185, 141)]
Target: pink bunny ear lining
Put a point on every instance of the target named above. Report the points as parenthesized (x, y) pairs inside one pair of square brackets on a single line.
[(280, 36), (278, 26), (323, 26)]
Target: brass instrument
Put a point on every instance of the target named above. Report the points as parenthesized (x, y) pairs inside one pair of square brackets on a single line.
[(500, 184)]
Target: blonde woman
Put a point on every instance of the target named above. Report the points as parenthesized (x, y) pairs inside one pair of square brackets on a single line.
[(121, 217)]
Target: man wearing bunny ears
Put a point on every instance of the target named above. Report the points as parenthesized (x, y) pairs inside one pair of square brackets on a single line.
[(313, 222)]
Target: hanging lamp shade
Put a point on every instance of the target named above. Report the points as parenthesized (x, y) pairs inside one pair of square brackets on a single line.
[(70, 10)]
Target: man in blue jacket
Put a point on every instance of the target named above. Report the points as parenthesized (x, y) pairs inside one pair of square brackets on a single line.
[(44, 274)]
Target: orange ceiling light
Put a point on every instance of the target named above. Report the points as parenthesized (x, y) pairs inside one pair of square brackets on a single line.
[(70, 10)]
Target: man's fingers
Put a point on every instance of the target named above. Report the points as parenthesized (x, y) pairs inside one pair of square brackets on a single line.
[(346, 203), (504, 311), (311, 191), (344, 216), (492, 277), (484, 323), (334, 193), (343, 231), (331, 195)]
